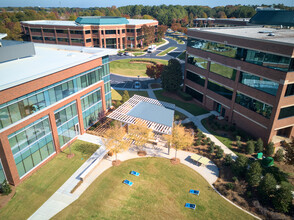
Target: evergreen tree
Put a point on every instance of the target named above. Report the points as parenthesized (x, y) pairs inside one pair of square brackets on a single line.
[(250, 147), (279, 156), (254, 174), (240, 166), (270, 149), (289, 155), (172, 76), (125, 96), (283, 197), (267, 187), (259, 145)]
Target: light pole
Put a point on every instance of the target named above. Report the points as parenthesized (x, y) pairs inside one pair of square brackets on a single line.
[(138, 82)]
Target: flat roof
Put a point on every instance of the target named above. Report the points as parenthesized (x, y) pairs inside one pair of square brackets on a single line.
[(73, 23), (49, 59), (280, 35), (154, 113)]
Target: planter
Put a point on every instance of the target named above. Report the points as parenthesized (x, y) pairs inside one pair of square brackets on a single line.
[(175, 161), (142, 153), (116, 163)]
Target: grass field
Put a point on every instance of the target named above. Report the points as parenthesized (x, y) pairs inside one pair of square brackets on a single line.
[(124, 67), (163, 53), (190, 107), (35, 190), (138, 53), (160, 192), (117, 94)]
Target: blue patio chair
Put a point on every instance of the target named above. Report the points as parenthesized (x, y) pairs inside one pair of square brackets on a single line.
[(190, 205), (128, 182), (195, 192), (135, 173)]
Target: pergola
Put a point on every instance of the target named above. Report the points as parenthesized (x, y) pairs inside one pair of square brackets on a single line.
[(157, 115)]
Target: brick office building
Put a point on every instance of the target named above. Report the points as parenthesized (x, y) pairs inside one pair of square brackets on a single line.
[(92, 31), (245, 74), (49, 95)]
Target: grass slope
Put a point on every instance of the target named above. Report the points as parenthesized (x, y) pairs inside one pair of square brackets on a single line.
[(117, 94), (163, 53), (160, 192), (34, 191), (124, 67)]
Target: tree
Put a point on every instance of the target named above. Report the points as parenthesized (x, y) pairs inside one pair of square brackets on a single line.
[(176, 26), (269, 150), (250, 147), (211, 147), (259, 145), (125, 96), (114, 139), (140, 134), (219, 152), (161, 29), (171, 76), (240, 166), (283, 197), (5, 188), (289, 153), (149, 34), (179, 138), (267, 187), (254, 174), (228, 160), (279, 156), (154, 71)]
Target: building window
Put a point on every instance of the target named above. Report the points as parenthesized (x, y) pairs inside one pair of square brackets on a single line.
[(79, 41), (61, 31), (31, 145), (286, 112), (37, 38), (220, 89), (35, 30), (76, 32), (259, 83), (67, 123), (130, 30), (197, 61), (123, 31), (254, 105), (260, 58), (138, 30), (62, 39), (87, 32), (222, 70), (197, 95), (110, 31), (290, 90), (88, 40), (131, 38), (48, 31), (111, 43), (2, 173), (94, 31), (50, 39), (200, 80)]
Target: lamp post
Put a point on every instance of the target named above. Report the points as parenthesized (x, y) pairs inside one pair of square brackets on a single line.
[(138, 81)]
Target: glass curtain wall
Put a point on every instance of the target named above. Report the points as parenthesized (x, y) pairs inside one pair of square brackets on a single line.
[(2, 173), (194, 77), (67, 123), (31, 145), (24, 106)]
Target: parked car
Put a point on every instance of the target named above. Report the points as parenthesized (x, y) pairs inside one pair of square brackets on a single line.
[(137, 85), (151, 49), (127, 54), (120, 54)]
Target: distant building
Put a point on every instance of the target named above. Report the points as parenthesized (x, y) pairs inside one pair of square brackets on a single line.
[(92, 31), (220, 22), (273, 17), (49, 95), (246, 75)]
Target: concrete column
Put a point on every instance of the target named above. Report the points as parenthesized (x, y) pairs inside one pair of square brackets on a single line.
[(31, 39), (104, 36), (54, 131), (69, 36), (116, 36), (84, 36), (100, 38), (136, 38), (230, 114), (55, 33), (42, 35), (120, 39), (80, 115)]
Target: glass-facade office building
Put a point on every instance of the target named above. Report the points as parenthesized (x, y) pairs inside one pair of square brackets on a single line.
[(245, 76), (42, 115)]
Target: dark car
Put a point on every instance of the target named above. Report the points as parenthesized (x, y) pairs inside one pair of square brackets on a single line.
[(120, 54)]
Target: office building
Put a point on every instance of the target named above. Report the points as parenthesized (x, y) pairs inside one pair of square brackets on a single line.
[(246, 75), (49, 95), (92, 31)]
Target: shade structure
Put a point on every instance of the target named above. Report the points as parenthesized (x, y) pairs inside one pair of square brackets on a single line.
[(155, 114), (195, 157), (200, 159)]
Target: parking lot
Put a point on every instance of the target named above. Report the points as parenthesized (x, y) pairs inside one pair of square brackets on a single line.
[(129, 82)]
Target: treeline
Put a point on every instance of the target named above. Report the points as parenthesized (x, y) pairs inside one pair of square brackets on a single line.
[(165, 14)]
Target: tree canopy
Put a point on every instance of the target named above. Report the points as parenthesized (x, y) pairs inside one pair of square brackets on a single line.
[(172, 76)]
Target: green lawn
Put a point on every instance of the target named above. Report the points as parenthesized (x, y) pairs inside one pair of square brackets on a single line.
[(124, 67), (190, 107), (138, 53), (163, 53), (182, 56), (117, 94), (35, 190), (179, 116), (160, 192)]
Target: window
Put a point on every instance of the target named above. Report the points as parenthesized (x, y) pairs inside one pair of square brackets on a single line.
[(290, 90), (110, 31), (254, 105), (197, 61), (76, 32), (62, 39), (94, 31), (123, 31), (50, 39), (286, 112), (222, 70), (37, 38), (111, 43), (88, 40), (87, 32), (35, 30), (79, 41), (48, 31), (220, 89), (195, 78), (130, 30), (61, 31), (194, 94), (131, 38), (259, 83)]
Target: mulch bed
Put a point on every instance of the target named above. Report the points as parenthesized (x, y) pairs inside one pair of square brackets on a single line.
[(142, 153), (175, 161), (4, 199), (116, 163)]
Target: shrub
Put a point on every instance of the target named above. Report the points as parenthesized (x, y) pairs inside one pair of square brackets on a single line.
[(267, 187), (219, 153), (199, 133), (283, 197), (234, 178), (184, 96), (5, 188), (198, 142), (228, 160), (203, 135), (211, 148), (208, 140), (238, 138), (239, 144), (270, 148), (279, 156), (254, 174), (239, 167), (205, 141), (249, 147), (230, 186), (259, 145)]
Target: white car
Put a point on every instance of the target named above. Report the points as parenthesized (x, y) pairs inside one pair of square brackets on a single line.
[(137, 85)]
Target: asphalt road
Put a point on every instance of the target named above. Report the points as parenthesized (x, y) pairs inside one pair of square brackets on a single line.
[(128, 82)]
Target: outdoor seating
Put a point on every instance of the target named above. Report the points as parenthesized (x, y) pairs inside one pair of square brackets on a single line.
[(128, 182), (195, 192), (135, 173), (190, 205)]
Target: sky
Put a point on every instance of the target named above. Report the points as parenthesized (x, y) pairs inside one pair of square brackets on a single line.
[(109, 3)]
